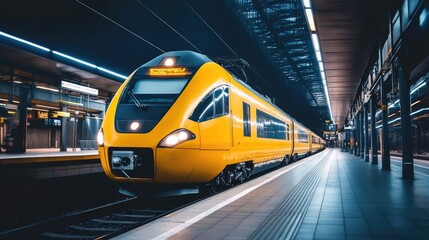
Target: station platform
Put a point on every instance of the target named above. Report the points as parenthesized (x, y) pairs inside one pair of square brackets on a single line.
[(330, 195), (48, 163)]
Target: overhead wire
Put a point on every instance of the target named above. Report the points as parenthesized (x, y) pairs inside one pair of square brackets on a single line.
[(153, 13), (192, 9), (119, 25), (220, 38)]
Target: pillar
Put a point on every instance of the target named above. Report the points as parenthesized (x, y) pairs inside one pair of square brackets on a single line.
[(374, 147), (366, 138), (406, 130), (20, 143), (385, 148), (63, 138), (361, 134)]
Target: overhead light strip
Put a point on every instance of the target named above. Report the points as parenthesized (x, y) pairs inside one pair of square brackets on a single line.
[(63, 55), (113, 73), (413, 113), (25, 41), (316, 44), (74, 59)]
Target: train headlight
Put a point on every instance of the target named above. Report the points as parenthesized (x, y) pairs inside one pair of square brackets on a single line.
[(177, 137), (134, 126), (100, 138)]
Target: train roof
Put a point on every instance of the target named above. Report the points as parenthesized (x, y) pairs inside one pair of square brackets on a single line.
[(182, 58), (194, 59), (267, 101)]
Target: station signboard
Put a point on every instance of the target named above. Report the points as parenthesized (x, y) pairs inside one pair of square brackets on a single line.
[(63, 114), (42, 114), (79, 88)]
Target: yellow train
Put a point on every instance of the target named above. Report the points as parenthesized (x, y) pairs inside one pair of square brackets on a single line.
[(183, 119)]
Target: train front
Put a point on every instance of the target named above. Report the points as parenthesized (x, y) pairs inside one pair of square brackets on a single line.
[(146, 135)]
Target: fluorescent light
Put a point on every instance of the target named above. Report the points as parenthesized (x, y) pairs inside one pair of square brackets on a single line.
[(378, 113), (3, 99), (413, 113), (306, 3), (111, 72), (420, 110), (415, 103), (15, 101), (319, 56), (74, 59), (16, 81), (418, 87), (315, 41), (310, 19), (322, 69), (25, 41), (48, 88), (38, 105), (38, 109)]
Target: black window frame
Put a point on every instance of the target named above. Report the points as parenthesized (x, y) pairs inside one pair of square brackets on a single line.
[(301, 133), (269, 126), (223, 101), (247, 126)]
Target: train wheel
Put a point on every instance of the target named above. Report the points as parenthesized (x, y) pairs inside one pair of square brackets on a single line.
[(211, 187), (295, 158), (285, 161)]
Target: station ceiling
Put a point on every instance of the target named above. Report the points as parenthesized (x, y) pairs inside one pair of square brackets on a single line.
[(272, 37)]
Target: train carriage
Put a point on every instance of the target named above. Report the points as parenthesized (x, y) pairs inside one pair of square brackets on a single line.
[(183, 119)]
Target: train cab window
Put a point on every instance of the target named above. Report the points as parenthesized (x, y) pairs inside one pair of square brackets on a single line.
[(246, 120), (151, 90), (215, 104)]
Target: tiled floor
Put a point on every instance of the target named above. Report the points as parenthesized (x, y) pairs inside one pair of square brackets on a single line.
[(359, 201), (332, 195)]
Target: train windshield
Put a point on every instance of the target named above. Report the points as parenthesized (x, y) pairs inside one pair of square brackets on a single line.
[(150, 90)]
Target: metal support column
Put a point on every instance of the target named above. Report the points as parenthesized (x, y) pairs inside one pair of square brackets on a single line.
[(361, 135), (384, 141), (20, 143), (357, 131), (374, 147), (366, 137), (63, 138), (406, 130)]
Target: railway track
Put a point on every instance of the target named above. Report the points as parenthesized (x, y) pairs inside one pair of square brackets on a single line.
[(102, 222), (109, 220)]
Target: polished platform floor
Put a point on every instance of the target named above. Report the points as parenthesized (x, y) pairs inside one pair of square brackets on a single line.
[(330, 195), (44, 163)]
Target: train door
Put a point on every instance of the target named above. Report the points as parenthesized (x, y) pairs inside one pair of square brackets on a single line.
[(214, 120)]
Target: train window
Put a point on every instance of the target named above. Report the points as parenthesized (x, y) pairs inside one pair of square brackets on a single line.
[(246, 119), (302, 136), (225, 100), (218, 102), (159, 86), (214, 104), (149, 90), (204, 110), (314, 139), (269, 126)]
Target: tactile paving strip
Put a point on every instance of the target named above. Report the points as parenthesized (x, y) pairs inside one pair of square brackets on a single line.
[(286, 218)]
